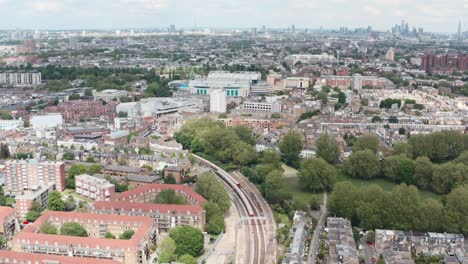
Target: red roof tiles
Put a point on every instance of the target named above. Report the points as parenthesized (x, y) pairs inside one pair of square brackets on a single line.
[(20, 257)]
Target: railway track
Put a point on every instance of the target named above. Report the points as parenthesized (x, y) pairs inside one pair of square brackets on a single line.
[(251, 212)]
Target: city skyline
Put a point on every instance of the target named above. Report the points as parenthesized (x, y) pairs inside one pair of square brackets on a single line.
[(433, 15)]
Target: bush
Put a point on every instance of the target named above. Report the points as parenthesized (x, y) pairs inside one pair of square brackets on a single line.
[(109, 235), (48, 228), (73, 229), (127, 235)]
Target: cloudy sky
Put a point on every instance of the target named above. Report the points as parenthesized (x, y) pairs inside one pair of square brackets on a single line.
[(433, 15)]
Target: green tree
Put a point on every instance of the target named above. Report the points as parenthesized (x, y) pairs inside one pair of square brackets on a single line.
[(271, 188), (55, 202), (371, 236), (48, 228), (362, 165), (187, 259), (34, 212), (322, 96), (402, 148), (165, 257), (70, 204), (73, 229), (188, 240), (169, 196), (423, 173), (167, 245), (317, 175), (127, 235), (370, 142), (399, 169), (213, 190), (169, 179), (447, 176), (109, 235), (3, 201), (327, 148), (214, 218), (291, 146), (90, 159), (343, 200), (276, 116), (69, 156), (75, 169), (393, 120)]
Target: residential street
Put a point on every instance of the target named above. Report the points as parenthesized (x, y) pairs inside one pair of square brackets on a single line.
[(312, 258)]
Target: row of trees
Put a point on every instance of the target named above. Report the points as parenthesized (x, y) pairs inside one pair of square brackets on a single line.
[(218, 203), (364, 164), (401, 208)]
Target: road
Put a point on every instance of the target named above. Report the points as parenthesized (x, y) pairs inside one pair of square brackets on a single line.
[(312, 258), (369, 252)]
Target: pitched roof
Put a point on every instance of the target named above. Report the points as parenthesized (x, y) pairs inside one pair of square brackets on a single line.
[(157, 186), (21, 257), (148, 207)]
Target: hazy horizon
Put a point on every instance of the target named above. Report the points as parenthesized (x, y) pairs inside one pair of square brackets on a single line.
[(432, 15)]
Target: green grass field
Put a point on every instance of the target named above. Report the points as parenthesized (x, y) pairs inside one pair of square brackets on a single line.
[(384, 184), (292, 186)]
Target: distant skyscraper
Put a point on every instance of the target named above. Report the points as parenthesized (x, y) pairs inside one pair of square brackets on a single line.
[(293, 29), (390, 55), (459, 30), (254, 32), (263, 28), (73, 42), (172, 29)]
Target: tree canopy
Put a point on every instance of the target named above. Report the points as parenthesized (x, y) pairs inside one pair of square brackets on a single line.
[(362, 164), (188, 240), (317, 175), (327, 148), (213, 190), (169, 196), (290, 147)]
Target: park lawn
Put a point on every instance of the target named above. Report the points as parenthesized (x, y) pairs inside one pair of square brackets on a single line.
[(293, 187), (384, 184)]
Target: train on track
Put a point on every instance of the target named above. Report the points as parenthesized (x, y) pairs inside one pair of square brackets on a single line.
[(235, 185)]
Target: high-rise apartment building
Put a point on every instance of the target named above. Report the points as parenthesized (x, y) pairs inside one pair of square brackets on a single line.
[(218, 101), (357, 81), (74, 42), (21, 175)]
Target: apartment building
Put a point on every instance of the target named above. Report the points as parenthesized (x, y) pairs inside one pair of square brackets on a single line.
[(74, 111), (11, 257), (132, 251), (147, 194), (166, 216), (261, 107), (24, 201), (21, 78), (7, 221), (94, 188), (8, 125), (29, 174)]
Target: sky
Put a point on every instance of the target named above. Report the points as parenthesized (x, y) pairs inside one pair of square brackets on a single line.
[(432, 15)]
